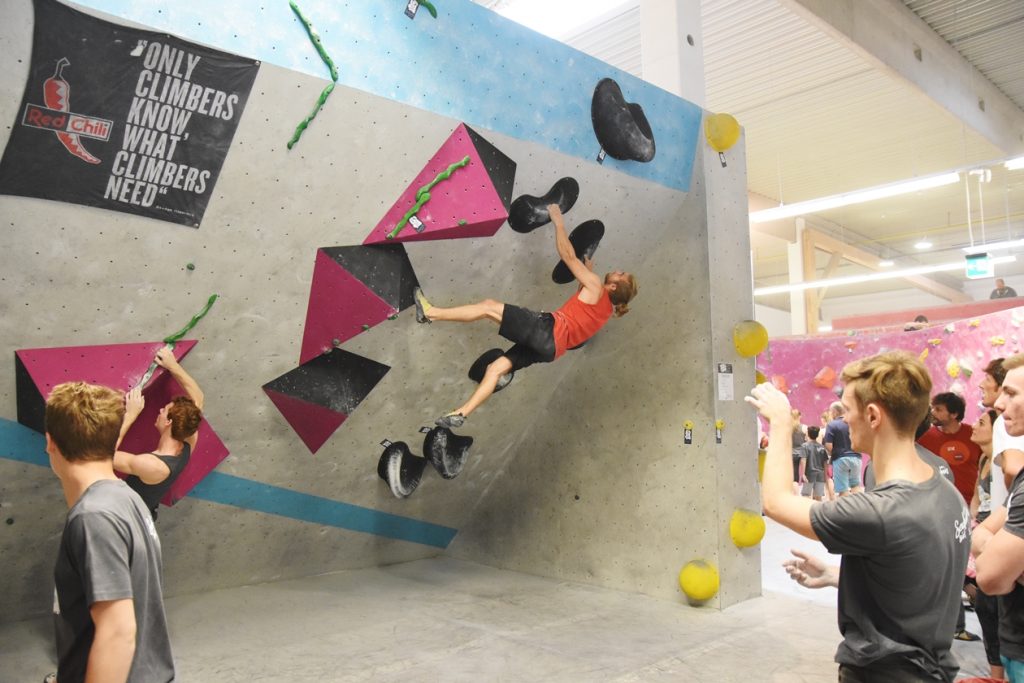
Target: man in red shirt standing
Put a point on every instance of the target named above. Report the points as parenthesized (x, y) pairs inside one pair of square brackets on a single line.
[(950, 439), (538, 337)]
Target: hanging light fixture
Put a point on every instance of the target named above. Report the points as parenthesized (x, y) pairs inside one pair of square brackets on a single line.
[(856, 197)]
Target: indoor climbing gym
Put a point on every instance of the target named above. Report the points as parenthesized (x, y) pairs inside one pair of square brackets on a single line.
[(625, 341)]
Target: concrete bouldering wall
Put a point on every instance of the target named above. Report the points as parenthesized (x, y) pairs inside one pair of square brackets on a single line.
[(312, 357), (604, 487)]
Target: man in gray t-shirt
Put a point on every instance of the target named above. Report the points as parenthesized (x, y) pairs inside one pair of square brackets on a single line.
[(108, 570), (889, 609), (110, 551), (904, 544)]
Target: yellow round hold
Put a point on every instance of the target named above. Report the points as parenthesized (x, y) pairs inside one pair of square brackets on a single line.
[(699, 580), (746, 528), (749, 337), (722, 131)]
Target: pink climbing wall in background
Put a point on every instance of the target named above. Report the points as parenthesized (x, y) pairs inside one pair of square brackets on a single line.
[(955, 354)]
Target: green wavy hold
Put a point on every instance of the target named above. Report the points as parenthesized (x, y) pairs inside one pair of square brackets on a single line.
[(318, 44), (423, 194), (312, 115), (430, 8)]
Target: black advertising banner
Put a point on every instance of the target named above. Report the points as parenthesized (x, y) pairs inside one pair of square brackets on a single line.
[(123, 119)]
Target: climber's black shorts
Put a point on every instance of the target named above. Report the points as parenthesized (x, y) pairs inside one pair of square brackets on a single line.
[(533, 334)]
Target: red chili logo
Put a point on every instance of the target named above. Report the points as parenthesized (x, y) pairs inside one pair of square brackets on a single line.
[(56, 116)]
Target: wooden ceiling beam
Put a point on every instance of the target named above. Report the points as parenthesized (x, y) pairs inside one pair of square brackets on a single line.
[(813, 240)]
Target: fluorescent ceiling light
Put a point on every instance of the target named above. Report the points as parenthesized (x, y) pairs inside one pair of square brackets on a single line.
[(886, 263), (869, 277), (923, 245), (993, 246), (856, 197), (1014, 164)]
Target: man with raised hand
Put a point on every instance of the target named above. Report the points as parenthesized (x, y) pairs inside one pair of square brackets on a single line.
[(904, 545)]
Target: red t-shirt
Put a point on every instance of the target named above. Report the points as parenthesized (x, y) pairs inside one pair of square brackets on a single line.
[(576, 322), (960, 452)]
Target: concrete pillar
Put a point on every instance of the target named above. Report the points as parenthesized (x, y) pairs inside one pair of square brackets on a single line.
[(672, 54)]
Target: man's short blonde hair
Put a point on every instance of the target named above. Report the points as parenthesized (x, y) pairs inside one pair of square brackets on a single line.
[(84, 420), (897, 382), (1013, 362)]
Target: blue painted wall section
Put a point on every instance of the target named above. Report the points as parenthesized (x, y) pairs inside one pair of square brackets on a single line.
[(21, 444), (470, 64)]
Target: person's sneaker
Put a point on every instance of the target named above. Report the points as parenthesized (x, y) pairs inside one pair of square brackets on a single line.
[(966, 635), (422, 306), (451, 420)]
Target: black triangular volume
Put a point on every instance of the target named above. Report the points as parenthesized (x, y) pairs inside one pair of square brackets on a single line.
[(338, 380), (31, 405), (385, 269), (500, 167)]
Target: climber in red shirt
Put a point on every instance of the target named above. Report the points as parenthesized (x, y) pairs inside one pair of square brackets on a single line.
[(538, 337)]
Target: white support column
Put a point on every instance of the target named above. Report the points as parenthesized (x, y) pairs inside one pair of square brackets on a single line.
[(672, 55)]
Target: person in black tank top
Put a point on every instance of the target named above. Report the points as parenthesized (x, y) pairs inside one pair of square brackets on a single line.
[(152, 474)]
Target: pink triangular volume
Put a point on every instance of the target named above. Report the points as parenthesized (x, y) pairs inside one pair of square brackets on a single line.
[(339, 306), (465, 205), (121, 366), (313, 423)]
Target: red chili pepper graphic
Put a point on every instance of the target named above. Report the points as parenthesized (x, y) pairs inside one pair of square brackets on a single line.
[(55, 95)]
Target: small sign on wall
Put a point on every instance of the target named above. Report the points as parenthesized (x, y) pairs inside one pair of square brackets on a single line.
[(725, 382)]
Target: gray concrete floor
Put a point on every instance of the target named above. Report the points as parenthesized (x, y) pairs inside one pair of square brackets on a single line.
[(445, 620)]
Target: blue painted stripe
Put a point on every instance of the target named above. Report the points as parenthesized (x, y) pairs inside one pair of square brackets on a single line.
[(21, 444), (273, 500), (469, 64)]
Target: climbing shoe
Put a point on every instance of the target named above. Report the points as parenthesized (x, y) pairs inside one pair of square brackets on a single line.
[(422, 306)]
